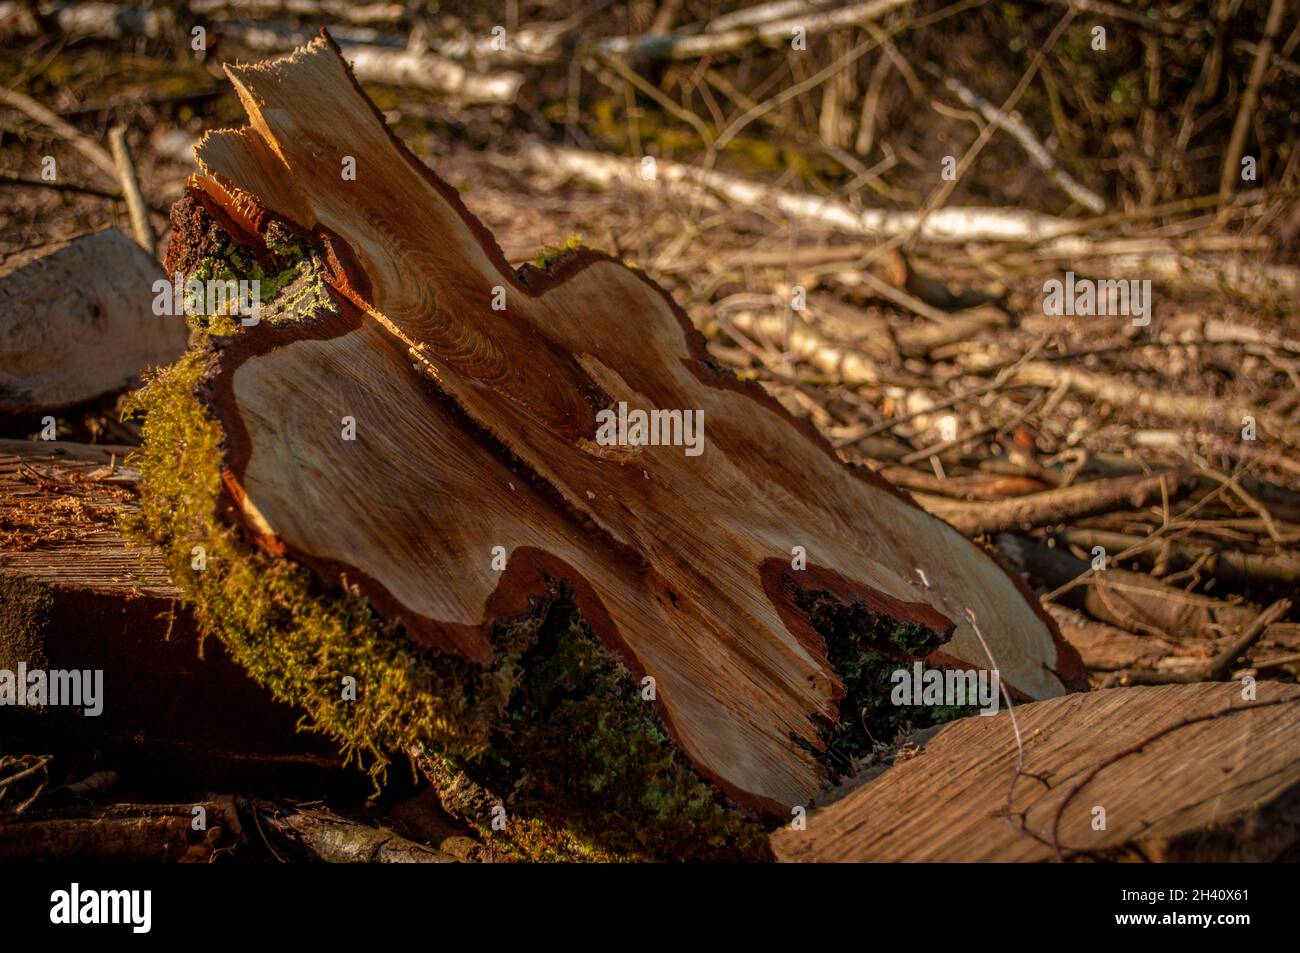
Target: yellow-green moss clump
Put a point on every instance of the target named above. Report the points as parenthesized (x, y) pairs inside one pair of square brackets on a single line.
[(555, 733), (551, 253), (299, 642)]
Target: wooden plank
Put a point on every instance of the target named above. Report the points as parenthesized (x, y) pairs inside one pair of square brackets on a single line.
[(1178, 779)]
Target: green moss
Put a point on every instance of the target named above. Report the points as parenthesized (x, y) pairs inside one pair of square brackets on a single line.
[(551, 252), (865, 649), (289, 264), (583, 749), (295, 639)]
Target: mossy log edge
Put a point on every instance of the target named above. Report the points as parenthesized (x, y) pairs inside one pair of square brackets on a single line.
[(577, 762)]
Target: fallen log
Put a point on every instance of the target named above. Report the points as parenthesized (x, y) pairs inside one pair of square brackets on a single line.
[(120, 833), (1130, 600), (1023, 513), (313, 832), (458, 547), (951, 224), (1107, 648), (1203, 410), (1214, 560), (1174, 773), (76, 596), (76, 322), (374, 63), (684, 46)]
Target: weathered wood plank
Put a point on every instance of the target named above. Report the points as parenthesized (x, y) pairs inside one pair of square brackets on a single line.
[(1221, 787)]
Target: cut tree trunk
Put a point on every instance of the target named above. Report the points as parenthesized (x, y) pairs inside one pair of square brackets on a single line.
[(1181, 772), (429, 433), (76, 322)]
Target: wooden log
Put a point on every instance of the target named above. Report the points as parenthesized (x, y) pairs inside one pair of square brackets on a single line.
[(75, 595), (394, 66), (490, 476), (1181, 772), (313, 832), (770, 31), (951, 224), (1106, 648), (1131, 600), (1022, 513), (1207, 411), (120, 833), (76, 322), (1214, 559)]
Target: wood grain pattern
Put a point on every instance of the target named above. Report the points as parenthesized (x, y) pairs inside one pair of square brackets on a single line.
[(59, 527), (476, 428), (1226, 788)]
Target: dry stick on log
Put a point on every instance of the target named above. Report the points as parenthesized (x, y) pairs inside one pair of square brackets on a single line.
[(1214, 669), (681, 574), (1189, 407), (1016, 127), (135, 204), (1023, 513)]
